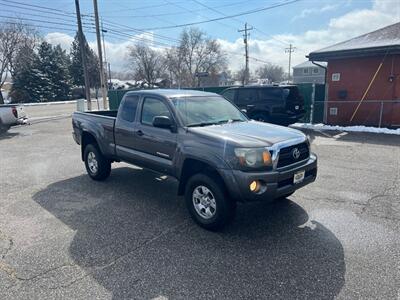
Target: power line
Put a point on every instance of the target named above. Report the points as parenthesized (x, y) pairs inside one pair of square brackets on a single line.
[(42, 21), (170, 14), (33, 5), (40, 26), (225, 17), (191, 11), (128, 28), (27, 7), (237, 20), (41, 16)]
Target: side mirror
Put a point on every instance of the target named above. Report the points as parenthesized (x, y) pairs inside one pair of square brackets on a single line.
[(244, 111), (162, 122)]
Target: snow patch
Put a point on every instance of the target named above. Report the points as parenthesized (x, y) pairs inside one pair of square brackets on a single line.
[(346, 128)]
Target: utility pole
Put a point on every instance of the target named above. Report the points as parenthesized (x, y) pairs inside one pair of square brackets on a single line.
[(103, 86), (246, 49), (289, 50), (83, 55), (105, 56)]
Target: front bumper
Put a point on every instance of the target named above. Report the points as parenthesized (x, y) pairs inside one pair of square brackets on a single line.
[(278, 183)]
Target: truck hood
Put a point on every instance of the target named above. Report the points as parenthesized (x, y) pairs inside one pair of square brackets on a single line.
[(249, 134)]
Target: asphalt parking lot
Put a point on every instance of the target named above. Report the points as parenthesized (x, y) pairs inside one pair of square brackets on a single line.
[(63, 235)]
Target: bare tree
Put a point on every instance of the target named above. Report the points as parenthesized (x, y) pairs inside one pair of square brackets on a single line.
[(240, 75), (148, 64), (195, 53), (14, 35), (273, 73)]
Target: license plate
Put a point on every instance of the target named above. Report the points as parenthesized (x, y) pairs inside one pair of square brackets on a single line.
[(298, 177)]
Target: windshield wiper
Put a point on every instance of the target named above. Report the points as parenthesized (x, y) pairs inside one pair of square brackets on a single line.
[(213, 123), (229, 121), (201, 124)]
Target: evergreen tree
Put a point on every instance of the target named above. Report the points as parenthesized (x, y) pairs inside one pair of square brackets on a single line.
[(76, 70), (28, 81), (61, 79), (54, 68)]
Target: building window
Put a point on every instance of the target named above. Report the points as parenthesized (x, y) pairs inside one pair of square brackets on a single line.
[(305, 71), (315, 71), (335, 76)]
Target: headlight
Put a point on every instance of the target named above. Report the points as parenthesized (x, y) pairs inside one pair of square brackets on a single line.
[(253, 157)]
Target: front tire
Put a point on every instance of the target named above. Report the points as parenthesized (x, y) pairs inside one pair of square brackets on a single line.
[(97, 166), (208, 202)]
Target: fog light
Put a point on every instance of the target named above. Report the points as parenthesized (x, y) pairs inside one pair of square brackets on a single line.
[(255, 186)]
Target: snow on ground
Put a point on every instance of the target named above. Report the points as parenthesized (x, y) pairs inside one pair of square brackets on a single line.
[(346, 128)]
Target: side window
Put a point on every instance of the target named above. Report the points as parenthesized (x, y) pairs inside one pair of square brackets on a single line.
[(129, 107), (270, 94), (246, 96), (229, 94), (152, 108)]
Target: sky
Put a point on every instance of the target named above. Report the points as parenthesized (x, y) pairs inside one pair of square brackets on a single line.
[(306, 24)]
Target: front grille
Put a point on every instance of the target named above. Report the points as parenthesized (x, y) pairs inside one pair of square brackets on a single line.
[(286, 156)]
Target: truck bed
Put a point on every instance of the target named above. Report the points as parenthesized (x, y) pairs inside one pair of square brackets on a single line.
[(99, 123)]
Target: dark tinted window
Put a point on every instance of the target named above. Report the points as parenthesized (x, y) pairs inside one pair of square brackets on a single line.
[(229, 94), (291, 92), (128, 109), (246, 96), (152, 108), (270, 94)]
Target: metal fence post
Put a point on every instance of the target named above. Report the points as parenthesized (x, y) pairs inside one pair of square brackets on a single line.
[(326, 103), (380, 115), (312, 104)]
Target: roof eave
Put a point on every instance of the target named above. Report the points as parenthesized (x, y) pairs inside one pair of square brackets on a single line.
[(363, 52)]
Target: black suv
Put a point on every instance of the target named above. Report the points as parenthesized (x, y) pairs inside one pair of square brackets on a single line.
[(281, 104)]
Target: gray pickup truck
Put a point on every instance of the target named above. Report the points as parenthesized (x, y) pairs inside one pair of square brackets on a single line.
[(217, 154)]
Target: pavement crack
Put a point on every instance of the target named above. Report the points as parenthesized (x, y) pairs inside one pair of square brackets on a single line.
[(4, 237), (117, 259)]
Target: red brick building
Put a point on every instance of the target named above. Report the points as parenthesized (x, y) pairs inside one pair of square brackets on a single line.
[(363, 72)]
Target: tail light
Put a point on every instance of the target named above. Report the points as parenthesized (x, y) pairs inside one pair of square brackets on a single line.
[(15, 112)]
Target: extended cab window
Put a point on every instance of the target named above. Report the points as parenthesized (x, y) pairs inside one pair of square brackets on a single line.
[(151, 108), (128, 109), (229, 94), (246, 96)]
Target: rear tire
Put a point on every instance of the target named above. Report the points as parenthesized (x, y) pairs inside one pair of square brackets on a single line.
[(208, 202), (97, 166)]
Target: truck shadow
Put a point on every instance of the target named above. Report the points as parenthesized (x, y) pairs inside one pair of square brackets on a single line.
[(7, 135), (134, 237)]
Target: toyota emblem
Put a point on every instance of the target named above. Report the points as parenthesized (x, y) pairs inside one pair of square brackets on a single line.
[(296, 153)]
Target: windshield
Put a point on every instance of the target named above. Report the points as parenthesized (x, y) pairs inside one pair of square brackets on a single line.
[(203, 111)]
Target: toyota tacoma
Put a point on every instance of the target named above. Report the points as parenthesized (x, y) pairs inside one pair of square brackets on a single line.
[(216, 153)]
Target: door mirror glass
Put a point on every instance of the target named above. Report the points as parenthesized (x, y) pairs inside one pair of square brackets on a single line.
[(162, 122)]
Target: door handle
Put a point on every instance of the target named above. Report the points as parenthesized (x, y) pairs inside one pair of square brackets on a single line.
[(250, 106), (139, 133)]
